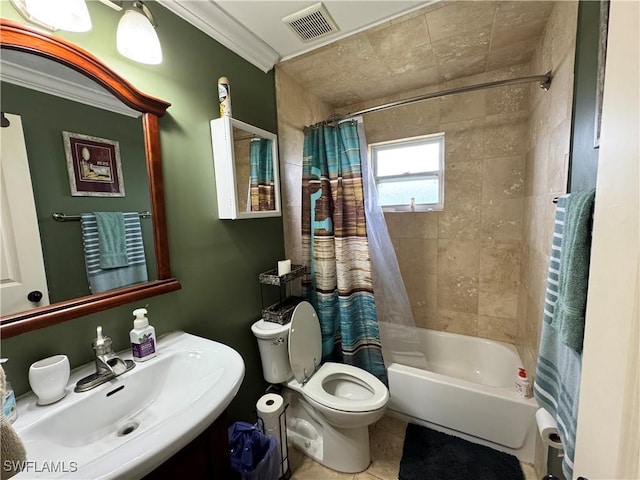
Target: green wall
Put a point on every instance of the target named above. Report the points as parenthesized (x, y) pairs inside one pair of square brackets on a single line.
[(62, 242), (584, 157), (217, 262)]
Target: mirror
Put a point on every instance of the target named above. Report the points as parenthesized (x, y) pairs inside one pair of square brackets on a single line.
[(14, 38), (246, 167), (49, 183)]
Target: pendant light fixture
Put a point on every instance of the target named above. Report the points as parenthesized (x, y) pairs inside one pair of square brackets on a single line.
[(68, 15), (136, 37)]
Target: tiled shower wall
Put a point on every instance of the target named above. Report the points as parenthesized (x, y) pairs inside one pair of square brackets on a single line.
[(461, 265), (548, 143), (297, 108)]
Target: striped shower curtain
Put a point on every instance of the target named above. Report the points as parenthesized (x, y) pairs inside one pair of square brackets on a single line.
[(335, 247), (262, 190)]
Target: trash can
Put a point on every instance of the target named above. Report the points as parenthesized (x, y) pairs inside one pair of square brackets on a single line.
[(254, 454)]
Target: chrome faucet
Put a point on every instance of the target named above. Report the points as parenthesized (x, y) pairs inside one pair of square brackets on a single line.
[(108, 364)]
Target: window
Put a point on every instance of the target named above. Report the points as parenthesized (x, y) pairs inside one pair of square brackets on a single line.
[(409, 173)]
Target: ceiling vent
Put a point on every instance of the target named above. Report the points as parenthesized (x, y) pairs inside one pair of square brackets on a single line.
[(311, 23)]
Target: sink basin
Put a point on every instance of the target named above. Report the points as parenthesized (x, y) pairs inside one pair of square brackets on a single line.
[(130, 425)]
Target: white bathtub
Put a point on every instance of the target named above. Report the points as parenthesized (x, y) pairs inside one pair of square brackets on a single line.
[(468, 391)]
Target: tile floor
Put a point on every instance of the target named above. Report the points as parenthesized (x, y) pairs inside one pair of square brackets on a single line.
[(386, 440)]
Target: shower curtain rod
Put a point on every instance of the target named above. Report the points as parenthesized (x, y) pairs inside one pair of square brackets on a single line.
[(545, 83)]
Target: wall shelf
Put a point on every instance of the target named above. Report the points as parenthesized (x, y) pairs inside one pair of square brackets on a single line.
[(281, 311), (270, 277)]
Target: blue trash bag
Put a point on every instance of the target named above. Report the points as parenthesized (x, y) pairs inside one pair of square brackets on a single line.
[(254, 455)]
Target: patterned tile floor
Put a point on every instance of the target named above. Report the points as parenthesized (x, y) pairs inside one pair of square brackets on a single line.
[(387, 437)]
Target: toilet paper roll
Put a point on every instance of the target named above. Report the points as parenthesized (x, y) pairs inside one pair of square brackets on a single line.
[(270, 409), (548, 428)]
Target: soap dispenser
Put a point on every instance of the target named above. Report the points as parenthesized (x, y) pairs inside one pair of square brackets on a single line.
[(143, 337)]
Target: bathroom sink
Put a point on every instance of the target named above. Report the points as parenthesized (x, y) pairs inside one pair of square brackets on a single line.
[(130, 425)]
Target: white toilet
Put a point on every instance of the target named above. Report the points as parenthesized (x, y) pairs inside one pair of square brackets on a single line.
[(331, 405)]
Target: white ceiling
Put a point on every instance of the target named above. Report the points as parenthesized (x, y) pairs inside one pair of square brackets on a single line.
[(254, 30), (263, 18)]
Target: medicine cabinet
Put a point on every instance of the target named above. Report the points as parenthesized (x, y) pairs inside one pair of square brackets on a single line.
[(246, 169)]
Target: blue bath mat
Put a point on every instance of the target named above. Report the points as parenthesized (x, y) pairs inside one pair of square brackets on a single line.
[(431, 455)]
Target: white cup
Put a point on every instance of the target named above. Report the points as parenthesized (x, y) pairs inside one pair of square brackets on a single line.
[(48, 378)]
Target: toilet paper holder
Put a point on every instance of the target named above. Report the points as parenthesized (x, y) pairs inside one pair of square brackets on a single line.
[(284, 445), (548, 429)]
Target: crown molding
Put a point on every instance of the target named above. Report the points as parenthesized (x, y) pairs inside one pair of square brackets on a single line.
[(43, 82), (219, 25)]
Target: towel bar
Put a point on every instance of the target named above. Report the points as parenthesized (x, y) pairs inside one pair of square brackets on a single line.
[(61, 217)]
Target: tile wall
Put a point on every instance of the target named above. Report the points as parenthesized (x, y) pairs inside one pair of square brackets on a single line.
[(461, 265), (547, 157), (297, 108)]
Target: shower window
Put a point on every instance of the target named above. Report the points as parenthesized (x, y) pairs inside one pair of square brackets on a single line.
[(409, 173)]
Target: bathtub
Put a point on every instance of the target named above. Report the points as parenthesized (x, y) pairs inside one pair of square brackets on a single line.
[(468, 391)]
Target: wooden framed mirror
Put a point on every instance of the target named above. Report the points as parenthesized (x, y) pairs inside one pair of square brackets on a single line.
[(21, 38)]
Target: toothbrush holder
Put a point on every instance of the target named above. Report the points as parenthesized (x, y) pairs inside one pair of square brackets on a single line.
[(48, 378)]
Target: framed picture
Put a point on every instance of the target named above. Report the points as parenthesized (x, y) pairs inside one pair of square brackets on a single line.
[(94, 166)]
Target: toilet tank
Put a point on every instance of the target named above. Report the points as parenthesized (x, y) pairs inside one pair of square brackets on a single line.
[(273, 340)]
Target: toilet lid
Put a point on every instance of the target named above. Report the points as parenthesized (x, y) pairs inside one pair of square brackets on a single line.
[(305, 342)]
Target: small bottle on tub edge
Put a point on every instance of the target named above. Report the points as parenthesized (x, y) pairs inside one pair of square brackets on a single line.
[(143, 337), (523, 388)]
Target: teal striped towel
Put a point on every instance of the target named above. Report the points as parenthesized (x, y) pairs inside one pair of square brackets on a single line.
[(135, 270), (557, 380)]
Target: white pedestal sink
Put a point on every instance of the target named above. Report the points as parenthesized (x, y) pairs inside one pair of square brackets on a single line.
[(130, 425)]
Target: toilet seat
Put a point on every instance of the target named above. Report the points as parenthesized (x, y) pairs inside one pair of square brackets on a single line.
[(337, 386), (359, 390)]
